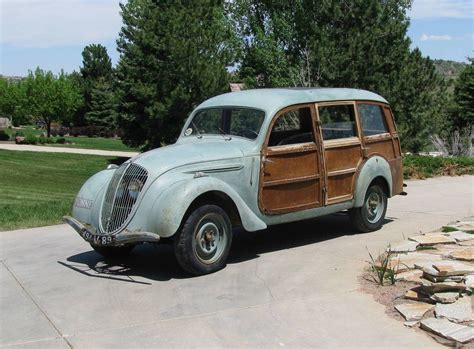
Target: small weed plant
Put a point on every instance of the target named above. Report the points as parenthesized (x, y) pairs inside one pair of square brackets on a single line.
[(381, 270)]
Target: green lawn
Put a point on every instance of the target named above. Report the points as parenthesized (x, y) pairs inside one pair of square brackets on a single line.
[(83, 142), (37, 189), (95, 143)]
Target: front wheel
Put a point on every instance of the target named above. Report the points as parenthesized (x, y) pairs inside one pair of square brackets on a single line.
[(203, 243), (371, 215)]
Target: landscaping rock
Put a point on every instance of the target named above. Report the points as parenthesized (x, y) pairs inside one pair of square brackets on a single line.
[(411, 323), (469, 281), (459, 235), (466, 243), (448, 268), (404, 246), (466, 254), (407, 261), (413, 311), (446, 329), (427, 268), (432, 239), (414, 295), (445, 297), (429, 287), (410, 275), (459, 311), (454, 278)]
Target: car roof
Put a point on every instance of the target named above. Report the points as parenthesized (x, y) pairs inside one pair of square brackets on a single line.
[(274, 99)]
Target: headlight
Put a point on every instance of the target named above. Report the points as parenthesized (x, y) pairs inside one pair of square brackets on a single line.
[(134, 188)]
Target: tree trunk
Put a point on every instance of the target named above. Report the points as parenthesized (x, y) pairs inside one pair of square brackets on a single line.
[(48, 128)]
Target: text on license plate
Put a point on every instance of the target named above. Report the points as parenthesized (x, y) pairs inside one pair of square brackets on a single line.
[(97, 239)]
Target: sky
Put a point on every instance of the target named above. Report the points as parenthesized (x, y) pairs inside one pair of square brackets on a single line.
[(52, 33)]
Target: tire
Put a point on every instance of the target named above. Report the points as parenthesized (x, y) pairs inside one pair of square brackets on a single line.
[(114, 251), (371, 215), (203, 243)]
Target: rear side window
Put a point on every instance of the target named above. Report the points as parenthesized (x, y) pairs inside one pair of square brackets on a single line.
[(337, 121), (292, 127), (372, 119)]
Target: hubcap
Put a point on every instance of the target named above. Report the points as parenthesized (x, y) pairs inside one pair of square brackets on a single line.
[(210, 238), (374, 205)]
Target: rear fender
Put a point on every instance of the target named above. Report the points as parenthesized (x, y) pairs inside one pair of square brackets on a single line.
[(375, 166)]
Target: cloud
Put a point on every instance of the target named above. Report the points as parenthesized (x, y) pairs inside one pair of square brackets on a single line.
[(442, 9), (425, 37), (49, 23)]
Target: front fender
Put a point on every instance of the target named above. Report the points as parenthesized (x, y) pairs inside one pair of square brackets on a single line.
[(375, 166), (171, 205), (86, 207)]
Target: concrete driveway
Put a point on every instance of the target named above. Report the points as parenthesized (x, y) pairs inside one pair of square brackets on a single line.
[(293, 285)]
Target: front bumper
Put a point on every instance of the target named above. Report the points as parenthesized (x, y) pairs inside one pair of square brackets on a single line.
[(125, 237)]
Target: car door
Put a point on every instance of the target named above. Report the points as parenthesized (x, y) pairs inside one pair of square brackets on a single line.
[(290, 177), (342, 148)]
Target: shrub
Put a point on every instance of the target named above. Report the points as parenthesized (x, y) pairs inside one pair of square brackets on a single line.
[(30, 139), (417, 166), (61, 140), (45, 140), (18, 134), (4, 136)]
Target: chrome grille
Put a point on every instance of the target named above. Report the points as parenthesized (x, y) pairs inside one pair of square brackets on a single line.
[(118, 204)]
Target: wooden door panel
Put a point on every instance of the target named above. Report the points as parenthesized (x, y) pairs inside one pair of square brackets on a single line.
[(341, 165), (291, 180), (290, 196), (290, 165)]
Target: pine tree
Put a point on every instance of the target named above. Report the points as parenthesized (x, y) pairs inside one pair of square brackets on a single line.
[(103, 105), (173, 55), (96, 66)]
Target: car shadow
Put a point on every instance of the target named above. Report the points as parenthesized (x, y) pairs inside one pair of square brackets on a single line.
[(156, 262)]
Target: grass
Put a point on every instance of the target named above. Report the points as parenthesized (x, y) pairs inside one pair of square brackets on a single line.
[(417, 166), (37, 189), (94, 143), (447, 229), (82, 142)]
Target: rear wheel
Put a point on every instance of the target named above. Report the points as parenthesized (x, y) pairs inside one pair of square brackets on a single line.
[(113, 251), (203, 243), (371, 215)]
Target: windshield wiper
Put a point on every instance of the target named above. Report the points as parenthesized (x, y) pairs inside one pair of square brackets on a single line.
[(199, 135), (225, 135)]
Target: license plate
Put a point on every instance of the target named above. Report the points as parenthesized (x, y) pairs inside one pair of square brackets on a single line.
[(100, 240)]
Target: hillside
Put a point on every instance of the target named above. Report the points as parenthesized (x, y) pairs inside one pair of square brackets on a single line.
[(448, 69)]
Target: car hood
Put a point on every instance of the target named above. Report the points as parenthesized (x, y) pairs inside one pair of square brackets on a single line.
[(163, 159)]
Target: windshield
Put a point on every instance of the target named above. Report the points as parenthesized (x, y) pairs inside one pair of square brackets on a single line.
[(242, 122)]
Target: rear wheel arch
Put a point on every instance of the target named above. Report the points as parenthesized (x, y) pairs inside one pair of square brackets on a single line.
[(376, 169)]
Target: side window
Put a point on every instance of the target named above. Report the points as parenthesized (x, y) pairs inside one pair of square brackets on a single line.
[(337, 121), (372, 119), (292, 127)]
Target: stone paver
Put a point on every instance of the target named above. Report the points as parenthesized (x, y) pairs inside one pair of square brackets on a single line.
[(451, 268), (432, 239), (413, 311), (466, 254), (447, 329), (459, 235), (459, 311)]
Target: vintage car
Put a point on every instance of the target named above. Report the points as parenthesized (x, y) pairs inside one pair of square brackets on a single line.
[(247, 159)]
